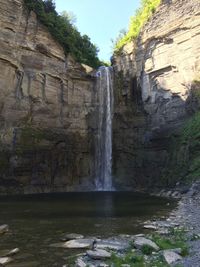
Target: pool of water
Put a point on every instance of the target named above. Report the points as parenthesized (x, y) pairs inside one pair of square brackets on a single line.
[(37, 221)]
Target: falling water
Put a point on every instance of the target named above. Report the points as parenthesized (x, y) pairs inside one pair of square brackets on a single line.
[(104, 137)]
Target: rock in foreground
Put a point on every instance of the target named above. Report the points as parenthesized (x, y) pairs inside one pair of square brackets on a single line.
[(141, 241), (98, 254), (171, 256)]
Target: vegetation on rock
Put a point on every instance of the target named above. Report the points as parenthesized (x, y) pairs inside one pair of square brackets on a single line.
[(147, 257), (191, 140), (62, 29), (137, 21)]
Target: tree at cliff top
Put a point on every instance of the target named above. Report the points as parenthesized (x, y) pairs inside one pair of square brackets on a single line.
[(141, 16), (62, 29)]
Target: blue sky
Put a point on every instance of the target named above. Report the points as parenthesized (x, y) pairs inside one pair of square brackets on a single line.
[(101, 20)]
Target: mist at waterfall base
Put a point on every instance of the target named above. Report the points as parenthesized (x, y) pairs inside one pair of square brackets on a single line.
[(38, 221), (103, 158)]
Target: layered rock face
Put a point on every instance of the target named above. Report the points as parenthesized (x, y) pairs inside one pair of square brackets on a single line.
[(153, 95), (47, 109), (49, 103)]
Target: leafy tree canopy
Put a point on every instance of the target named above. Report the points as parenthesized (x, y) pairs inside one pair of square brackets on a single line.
[(62, 28)]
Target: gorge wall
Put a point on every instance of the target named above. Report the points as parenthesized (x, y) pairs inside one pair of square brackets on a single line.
[(154, 78), (47, 109), (49, 103)]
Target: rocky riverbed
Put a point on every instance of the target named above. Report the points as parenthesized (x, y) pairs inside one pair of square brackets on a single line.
[(174, 241)]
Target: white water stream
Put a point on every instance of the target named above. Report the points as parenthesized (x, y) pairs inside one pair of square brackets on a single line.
[(104, 138)]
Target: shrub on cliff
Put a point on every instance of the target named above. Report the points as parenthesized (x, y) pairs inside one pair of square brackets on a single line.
[(63, 30), (141, 16)]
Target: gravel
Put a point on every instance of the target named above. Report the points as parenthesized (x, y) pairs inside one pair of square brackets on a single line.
[(188, 215)]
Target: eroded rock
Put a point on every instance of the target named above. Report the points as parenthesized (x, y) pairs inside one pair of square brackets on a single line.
[(142, 241), (98, 254), (171, 256), (113, 244)]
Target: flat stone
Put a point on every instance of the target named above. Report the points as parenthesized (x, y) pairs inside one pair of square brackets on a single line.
[(112, 244), (171, 256), (150, 227), (71, 236), (79, 243), (5, 260), (4, 228), (142, 241), (98, 254)]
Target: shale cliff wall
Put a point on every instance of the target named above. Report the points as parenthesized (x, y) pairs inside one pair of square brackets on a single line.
[(49, 103), (153, 96), (47, 106)]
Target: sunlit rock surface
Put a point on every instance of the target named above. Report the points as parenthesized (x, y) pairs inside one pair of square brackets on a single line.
[(153, 78), (47, 105)]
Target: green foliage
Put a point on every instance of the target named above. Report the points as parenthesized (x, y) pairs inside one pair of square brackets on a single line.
[(191, 139), (62, 29), (147, 250), (130, 258), (157, 262), (141, 16), (191, 132), (177, 239)]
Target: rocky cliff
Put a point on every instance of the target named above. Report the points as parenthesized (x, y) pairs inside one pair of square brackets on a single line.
[(49, 103), (154, 78), (47, 106)]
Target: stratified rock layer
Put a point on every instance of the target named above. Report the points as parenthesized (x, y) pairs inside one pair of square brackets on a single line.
[(153, 81), (47, 105)]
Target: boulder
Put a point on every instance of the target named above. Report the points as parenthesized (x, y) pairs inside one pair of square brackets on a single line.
[(171, 256), (142, 241), (98, 254)]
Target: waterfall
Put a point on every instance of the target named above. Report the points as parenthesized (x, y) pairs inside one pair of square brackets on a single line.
[(103, 166)]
